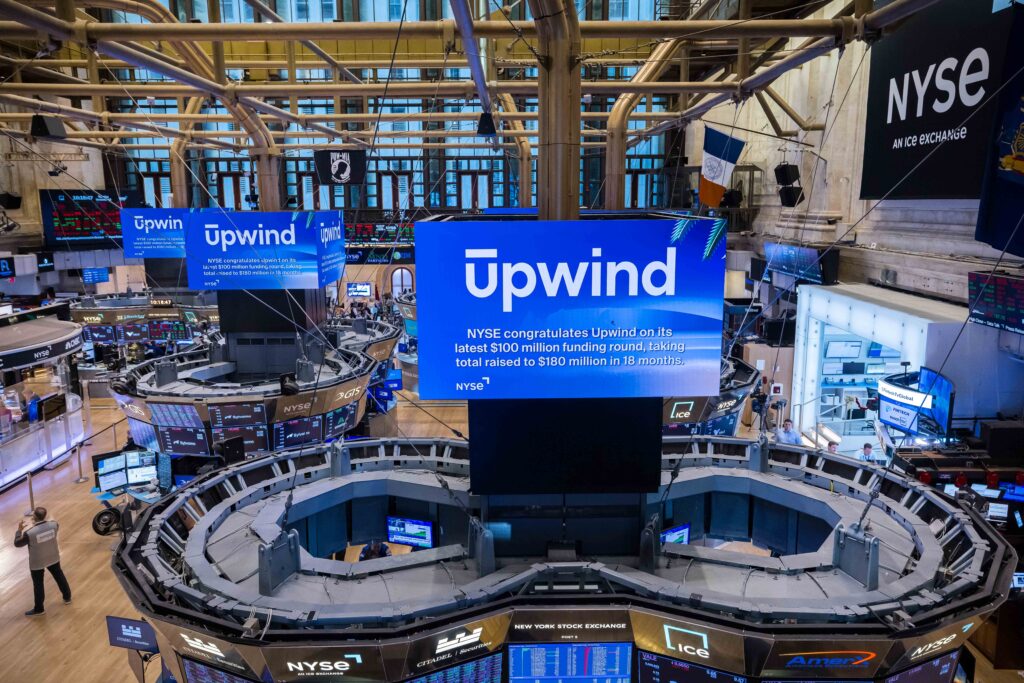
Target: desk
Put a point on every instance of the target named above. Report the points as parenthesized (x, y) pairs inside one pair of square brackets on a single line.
[(352, 551)]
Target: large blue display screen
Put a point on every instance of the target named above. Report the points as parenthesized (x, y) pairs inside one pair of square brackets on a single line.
[(569, 309), (154, 233), (486, 670), (657, 669), (261, 250), (941, 391), (570, 663)]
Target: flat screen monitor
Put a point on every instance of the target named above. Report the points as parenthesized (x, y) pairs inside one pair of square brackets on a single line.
[(571, 662), (950, 490), (1017, 582), (1000, 304), (94, 276), (985, 491), (141, 475), (102, 334), (657, 669), (941, 389), (1014, 492), (831, 368), (843, 349), (254, 437), (131, 634), (139, 459), (938, 670), (876, 350), (802, 263), (143, 434), (84, 218), (111, 464), (175, 415), (997, 511), (853, 368), (112, 480), (298, 432), (677, 534), (195, 672), (45, 262), (136, 332), (237, 414), (595, 445), (359, 289), (486, 670), (7, 268), (414, 532), (875, 369), (183, 479), (340, 420), (183, 440)]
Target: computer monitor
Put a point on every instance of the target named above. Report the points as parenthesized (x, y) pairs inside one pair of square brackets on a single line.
[(359, 289), (831, 368), (414, 532), (571, 662), (141, 475), (843, 349), (677, 534), (112, 481), (1017, 582), (998, 511), (111, 464)]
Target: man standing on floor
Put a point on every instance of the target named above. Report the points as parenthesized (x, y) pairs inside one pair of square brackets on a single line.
[(43, 553)]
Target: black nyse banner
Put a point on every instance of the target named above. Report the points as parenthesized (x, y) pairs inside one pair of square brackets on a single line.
[(340, 166), (1001, 211), (930, 101)]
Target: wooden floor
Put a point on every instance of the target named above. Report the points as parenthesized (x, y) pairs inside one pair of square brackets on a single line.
[(69, 643)]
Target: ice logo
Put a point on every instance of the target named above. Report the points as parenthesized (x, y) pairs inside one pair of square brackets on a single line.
[(552, 280), (265, 237), (146, 224)]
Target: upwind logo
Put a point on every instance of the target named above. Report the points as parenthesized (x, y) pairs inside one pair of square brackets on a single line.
[(461, 640), (226, 236), (202, 646), (146, 224), (552, 280), (693, 643), (829, 659)]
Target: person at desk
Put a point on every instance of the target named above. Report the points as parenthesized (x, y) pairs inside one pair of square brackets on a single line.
[(787, 434), (43, 554), (867, 454), (374, 549)]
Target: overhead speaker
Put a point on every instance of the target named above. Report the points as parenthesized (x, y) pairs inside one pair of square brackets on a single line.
[(485, 127), (791, 196), (787, 174), (44, 126), (10, 201), (731, 199)]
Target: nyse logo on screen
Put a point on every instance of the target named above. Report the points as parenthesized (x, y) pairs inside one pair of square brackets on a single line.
[(323, 667), (932, 647), (520, 280)]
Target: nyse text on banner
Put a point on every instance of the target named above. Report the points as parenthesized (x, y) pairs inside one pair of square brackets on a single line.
[(569, 309)]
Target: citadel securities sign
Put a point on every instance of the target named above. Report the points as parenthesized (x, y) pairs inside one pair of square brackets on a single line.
[(265, 250), (931, 101), (570, 309)]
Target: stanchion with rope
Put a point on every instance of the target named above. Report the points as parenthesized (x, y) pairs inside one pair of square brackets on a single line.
[(31, 498), (78, 455)]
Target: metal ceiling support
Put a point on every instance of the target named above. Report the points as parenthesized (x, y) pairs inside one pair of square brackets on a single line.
[(220, 69), (115, 117), (770, 115), (618, 121), (181, 195), (401, 89), (39, 69), (100, 118), (895, 11), (338, 67), (558, 104), (800, 121), (471, 47), (525, 160), (442, 29), (743, 49), (743, 88)]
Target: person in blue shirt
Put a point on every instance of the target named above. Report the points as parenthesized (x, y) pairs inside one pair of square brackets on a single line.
[(787, 434)]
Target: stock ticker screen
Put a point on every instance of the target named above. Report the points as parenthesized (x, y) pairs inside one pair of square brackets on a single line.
[(175, 415), (1001, 305), (570, 663), (378, 233), (237, 414), (85, 217), (938, 670), (486, 670), (657, 669), (203, 673)]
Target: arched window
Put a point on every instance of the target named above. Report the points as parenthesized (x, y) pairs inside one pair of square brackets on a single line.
[(401, 281)]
